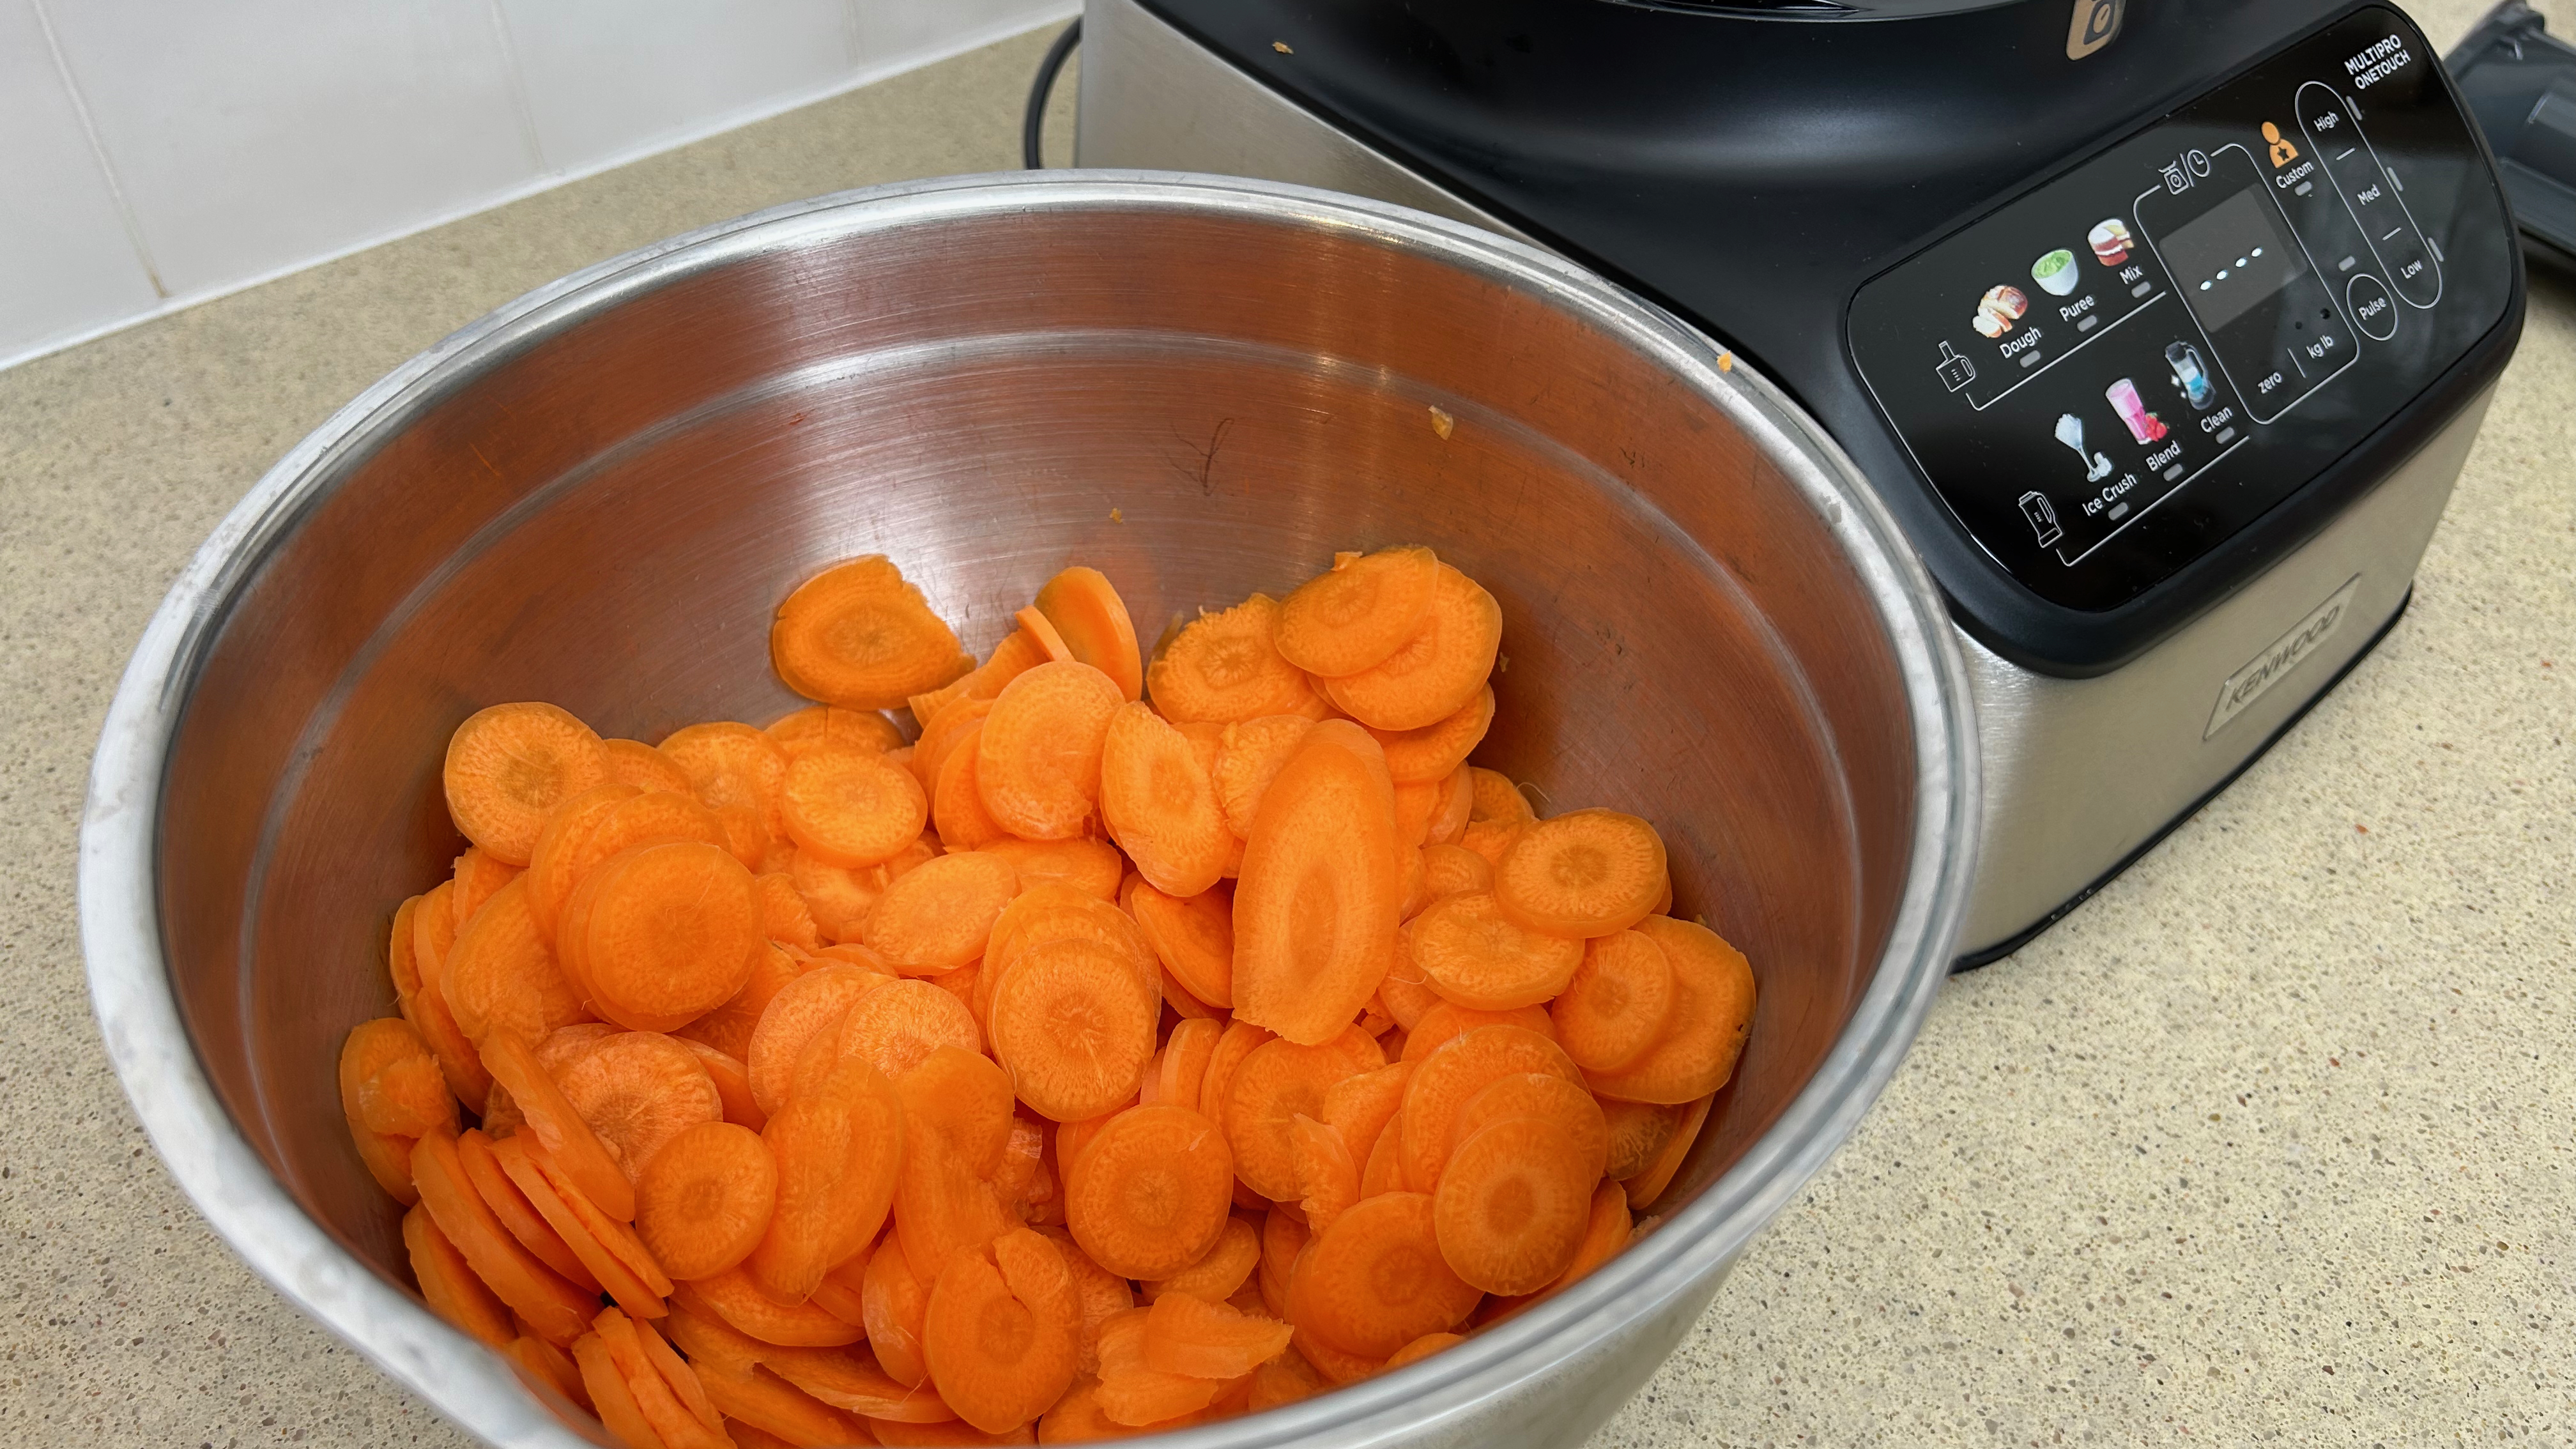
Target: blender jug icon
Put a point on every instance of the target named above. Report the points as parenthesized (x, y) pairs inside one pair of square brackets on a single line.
[(2070, 431), (2190, 375), (2043, 518)]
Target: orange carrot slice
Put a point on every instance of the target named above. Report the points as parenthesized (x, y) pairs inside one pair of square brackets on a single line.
[(1436, 750), (550, 864), (1087, 612), (964, 823), (1158, 805), (1181, 1068), (896, 1026), (1376, 1280), (1448, 1077), (1647, 1187), (1607, 1231), (1287, 1379), (942, 1206), (704, 1200), (655, 1398), (1018, 653), (758, 1400), (478, 876), (543, 1366), (814, 1002), (821, 727), (1216, 1089), (1040, 766), (1478, 957), (1450, 869), (1093, 867), (733, 1299), (737, 771), (1149, 1195), (1638, 1132), (1512, 1205), (1359, 612), (1711, 1013), (784, 916), (449, 1284), (517, 1214), (1052, 911), (1283, 1237), (1327, 1179), (850, 807), (1497, 813), (850, 1379), (1545, 1097), (1250, 755), (1193, 937), (1445, 1023), (937, 916), (1208, 1339), (1584, 873), (838, 1151), (1433, 673), (507, 768), (633, 762), (893, 1301), (664, 934), (608, 1249), (1277, 1083), (859, 636), (1000, 1333), (1405, 992), (1420, 1349), (1134, 1392), (611, 1397), (592, 836), (1457, 803), (391, 1091), (1100, 1293), (1041, 628), (555, 1309), (1317, 907), (1227, 666), (1221, 1271), (637, 1090), (1618, 1003), (502, 976), (552, 1119), (1360, 1107), (940, 736), (1074, 1026)]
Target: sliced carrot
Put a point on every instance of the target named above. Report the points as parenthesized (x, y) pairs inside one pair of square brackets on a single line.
[(633, 762), (1135, 1393), (842, 1292), (838, 1151), (662, 1408), (1450, 869), (859, 636), (1405, 992), (1606, 1232), (964, 823), (1584, 873), (1072, 1137), (1420, 1349), (1000, 1336), (503, 977), (1221, 1271), (813, 1002), (1317, 907), (402, 950), (517, 1214), (894, 1300), (735, 1300), (1077, 1418), (391, 1091), (940, 736), (550, 864), (1328, 1181), (543, 1366), (1283, 1238), (1279, 1082), (1457, 802), (1150, 1193), (1359, 612), (1018, 653), (738, 772), (592, 836), (1158, 805), (611, 1397), (1186, 1004), (507, 768), (1618, 1003), (1087, 612), (1227, 666), (1541, 1096), (896, 1026), (637, 1090), (784, 916), (1074, 1027), (822, 727), (703, 1202), (1208, 1339), (1384, 1171), (710, 1342), (1436, 671), (849, 807), (838, 899), (1646, 1188), (663, 934), (1711, 1013), (1287, 1379), (1239, 1040), (556, 1309), (676, 1374), (1250, 755), (1051, 911), (851, 1380), (942, 1206), (1041, 628), (1100, 1294), (449, 1284), (433, 931), (938, 916), (1445, 1023), (1478, 957), (1376, 1280), (478, 876), (1193, 937), (1040, 766), (762, 1402), (1638, 1132), (1360, 1107), (614, 1256), (1183, 1063), (1497, 813), (1023, 1154), (1436, 750), (1512, 1205), (552, 1120), (1093, 867), (963, 983), (1448, 1077)]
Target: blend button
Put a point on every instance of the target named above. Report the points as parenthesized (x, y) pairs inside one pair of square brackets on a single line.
[(2372, 309)]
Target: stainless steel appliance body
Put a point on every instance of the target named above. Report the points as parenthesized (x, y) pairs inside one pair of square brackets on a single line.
[(2085, 767), (598, 494)]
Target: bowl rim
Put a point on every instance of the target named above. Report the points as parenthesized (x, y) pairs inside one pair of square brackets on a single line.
[(214, 1163)]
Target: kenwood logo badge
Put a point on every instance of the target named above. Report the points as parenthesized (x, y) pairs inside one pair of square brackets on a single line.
[(2096, 24), (2264, 670)]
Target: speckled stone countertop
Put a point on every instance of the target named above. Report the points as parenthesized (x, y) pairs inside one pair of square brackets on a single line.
[(2272, 1141)]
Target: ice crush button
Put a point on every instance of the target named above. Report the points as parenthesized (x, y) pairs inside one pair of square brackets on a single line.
[(2372, 309)]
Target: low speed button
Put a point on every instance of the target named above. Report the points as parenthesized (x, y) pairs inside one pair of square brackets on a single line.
[(2372, 311)]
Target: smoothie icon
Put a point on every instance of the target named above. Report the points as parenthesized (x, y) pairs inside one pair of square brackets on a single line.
[(2144, 426), (2055, 272)]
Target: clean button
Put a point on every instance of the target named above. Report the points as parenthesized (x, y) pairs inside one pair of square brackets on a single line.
[(2372, 311)]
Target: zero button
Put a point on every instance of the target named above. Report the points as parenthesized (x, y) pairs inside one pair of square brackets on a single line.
[(2373, 311)]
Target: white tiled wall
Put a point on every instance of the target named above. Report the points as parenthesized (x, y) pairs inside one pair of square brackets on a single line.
[(157, 152)]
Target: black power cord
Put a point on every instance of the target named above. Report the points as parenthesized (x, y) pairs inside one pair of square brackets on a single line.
[(1033, 123)]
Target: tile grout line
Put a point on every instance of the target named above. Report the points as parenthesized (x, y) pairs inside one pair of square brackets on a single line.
[(519, 102), (98, 153)]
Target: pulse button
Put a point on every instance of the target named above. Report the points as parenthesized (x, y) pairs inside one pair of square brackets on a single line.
[(2372, 311)]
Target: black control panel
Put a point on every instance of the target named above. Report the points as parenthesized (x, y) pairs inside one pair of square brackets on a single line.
[(2109, 377)]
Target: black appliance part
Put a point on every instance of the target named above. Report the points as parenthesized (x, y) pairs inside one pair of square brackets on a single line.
[(2520, 82)]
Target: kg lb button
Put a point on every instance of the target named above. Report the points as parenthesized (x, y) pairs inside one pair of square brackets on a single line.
[(2372, 309)]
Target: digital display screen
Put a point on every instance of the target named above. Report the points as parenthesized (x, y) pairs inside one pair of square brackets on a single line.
[(2232, 257)]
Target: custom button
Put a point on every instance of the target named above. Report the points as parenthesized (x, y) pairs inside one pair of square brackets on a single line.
[(2372, 310)]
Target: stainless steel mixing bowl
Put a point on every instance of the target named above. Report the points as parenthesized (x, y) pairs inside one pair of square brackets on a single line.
[(597, 494)]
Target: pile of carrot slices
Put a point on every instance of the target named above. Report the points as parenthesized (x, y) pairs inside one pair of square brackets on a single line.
[(1137, 1044)]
